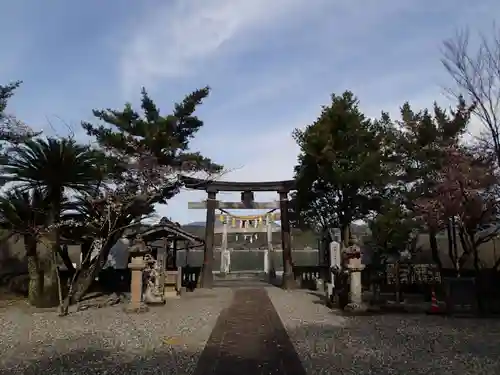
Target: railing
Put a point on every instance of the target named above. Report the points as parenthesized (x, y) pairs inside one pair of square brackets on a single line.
[(306, 276), (306, 269), (249, 260), (190, 276)]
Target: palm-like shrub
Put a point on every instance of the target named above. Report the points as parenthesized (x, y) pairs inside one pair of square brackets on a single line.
[(53, 166), (24, 214)]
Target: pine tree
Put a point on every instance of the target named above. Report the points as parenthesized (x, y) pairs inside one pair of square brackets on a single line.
[(146, 152), (342, 165)]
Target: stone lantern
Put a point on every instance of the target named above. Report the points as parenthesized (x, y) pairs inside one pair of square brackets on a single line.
[(354, 267), (137, 264)]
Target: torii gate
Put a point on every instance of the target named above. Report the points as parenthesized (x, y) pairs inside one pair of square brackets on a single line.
[(253, 225), (247, 202)]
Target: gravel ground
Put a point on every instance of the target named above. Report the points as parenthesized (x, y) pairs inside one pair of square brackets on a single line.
[(329, 343), (165, 340)]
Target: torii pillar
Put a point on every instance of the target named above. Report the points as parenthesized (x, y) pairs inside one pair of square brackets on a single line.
[(288, 281), (207, 277)]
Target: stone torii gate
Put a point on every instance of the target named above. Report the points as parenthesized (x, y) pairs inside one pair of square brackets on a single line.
[(247, 202)]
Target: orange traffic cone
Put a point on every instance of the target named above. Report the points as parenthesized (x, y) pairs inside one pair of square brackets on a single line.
[(434, 302), (435, 309)]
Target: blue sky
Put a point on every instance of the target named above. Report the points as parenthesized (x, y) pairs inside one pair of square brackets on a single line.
[(271, 65)]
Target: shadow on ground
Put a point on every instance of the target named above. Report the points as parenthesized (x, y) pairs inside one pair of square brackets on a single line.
[(358, 345)]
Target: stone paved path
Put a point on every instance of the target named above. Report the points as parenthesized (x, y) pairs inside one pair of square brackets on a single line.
[(249, 338)]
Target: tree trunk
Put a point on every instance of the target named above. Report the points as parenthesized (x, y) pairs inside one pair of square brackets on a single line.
[(76, 288), (86, 248), (451, 238), (345, 234), (476, 259), (63, 253), (52, 282), (35, 287), (434, 248), (84, 278), (51, 286), (84, 281), (496, 265)]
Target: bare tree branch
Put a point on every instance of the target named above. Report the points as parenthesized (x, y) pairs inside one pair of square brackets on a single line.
[(475, 71)]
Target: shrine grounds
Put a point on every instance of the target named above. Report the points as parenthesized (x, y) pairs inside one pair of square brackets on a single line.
[(170, 339)]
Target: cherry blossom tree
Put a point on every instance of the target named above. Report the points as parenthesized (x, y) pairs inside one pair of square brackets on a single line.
[(465, 188)]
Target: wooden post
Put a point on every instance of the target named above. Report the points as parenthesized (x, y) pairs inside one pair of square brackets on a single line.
[(174, 251), (398, 283), (207, 277), (288, 279)]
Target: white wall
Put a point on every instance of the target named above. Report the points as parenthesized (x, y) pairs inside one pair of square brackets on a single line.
[(118, 256)]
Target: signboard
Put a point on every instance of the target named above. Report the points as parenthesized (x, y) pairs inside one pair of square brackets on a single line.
[(335, 256), (405, 274), (461, 295), (412, 274)]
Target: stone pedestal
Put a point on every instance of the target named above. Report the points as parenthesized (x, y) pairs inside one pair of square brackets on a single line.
[(136, 303), (173, 284), (355, 288)]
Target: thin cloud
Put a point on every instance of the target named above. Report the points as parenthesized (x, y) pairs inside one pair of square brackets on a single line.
[(172, 40)]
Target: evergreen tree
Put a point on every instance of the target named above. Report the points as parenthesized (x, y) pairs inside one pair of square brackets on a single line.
[(11, 129), (343, 165), (146, 152), (422, 140)]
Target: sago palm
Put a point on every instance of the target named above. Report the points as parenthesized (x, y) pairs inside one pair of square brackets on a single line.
[(54, 166), (23, 213)]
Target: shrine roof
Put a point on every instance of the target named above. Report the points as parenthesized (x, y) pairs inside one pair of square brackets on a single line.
[(169, 230)]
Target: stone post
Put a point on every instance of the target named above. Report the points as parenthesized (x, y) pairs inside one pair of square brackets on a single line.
[(136, 266), (334, 267), (271, 272), (178, 281), (225, 255)]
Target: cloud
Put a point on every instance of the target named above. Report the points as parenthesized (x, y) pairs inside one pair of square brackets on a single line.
[(179, 38), (174, 39)]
